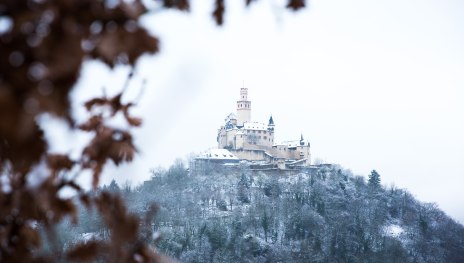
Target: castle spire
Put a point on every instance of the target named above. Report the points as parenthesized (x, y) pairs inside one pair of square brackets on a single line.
[(270, 125)]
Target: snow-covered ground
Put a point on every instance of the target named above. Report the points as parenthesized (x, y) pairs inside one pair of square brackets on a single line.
[(393, 230)]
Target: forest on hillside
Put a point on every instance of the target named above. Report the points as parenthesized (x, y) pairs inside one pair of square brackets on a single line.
[(327, 215)]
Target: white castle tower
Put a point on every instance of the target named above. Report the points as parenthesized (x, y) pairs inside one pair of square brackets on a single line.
[(243, 108)]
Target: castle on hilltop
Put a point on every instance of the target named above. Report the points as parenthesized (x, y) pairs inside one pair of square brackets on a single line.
[(240, 138)]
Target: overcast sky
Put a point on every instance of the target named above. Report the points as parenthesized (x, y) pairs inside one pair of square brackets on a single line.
[(371, 84)]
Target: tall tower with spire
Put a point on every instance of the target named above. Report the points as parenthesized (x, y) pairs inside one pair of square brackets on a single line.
[(243, 108)]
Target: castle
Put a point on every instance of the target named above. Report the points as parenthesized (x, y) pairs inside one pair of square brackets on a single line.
[(254, 141)]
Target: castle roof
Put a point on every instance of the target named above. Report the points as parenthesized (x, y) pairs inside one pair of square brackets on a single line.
[(222, 154), (254, 126), (293, 143), (232, 116), (271, 121)]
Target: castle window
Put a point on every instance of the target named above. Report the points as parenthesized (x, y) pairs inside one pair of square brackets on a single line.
[(264, 132), (265, 137), (259, 137), (259, 131)]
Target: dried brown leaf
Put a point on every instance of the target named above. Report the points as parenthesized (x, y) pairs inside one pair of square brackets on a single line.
[(121, 46), (95, 102), (218, 12), (133, 121), (248, 2), (64, 207), (296, 4), (178, 4), (97, 170), (59, 162), (30, 235), (133, 9), (84, 252), (85, 199), (92, 124), (116, 104)]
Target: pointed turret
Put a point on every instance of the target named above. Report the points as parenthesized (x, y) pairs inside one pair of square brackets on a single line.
[(270, 125), (302, 140)]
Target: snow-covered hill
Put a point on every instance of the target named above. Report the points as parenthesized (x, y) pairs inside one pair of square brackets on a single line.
[(328, 215)]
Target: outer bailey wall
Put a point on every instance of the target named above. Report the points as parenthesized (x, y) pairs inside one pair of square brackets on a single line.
[(252, 155)]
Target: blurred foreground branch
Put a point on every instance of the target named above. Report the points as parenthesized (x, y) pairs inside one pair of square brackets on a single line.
[(42, 47)]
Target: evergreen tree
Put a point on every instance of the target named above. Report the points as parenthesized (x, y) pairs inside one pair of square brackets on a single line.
[(374, 179), (113, 187)]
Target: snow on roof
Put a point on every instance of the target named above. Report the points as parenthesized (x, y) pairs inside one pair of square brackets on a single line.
[(223, 154), (293, 143), (232, 116), (254, 126)]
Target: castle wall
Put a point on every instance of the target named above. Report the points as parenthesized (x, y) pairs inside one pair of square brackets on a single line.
[(239, 141), (259, 137), (231, 138), (291, 153), (243, 115), (226, 138), (252, 155), (280, 151), (221, 139), (243, 108), (248, 150), (305, 153), (245, 139), (250, 146)]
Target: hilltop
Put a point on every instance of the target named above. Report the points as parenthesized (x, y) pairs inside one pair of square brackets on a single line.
[(323, 215)]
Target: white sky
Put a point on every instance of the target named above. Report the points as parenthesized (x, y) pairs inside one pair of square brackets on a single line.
[(372, 85)]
